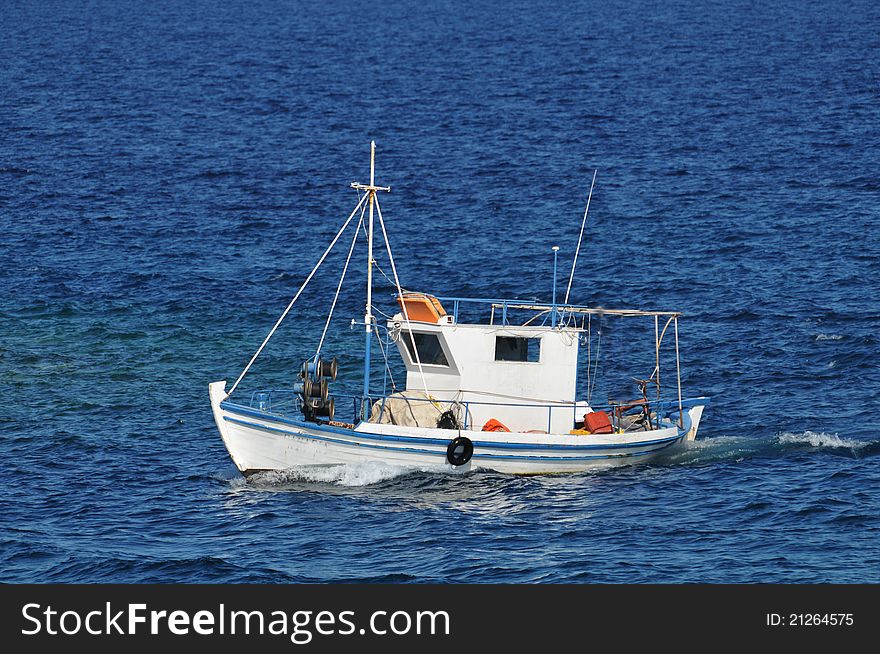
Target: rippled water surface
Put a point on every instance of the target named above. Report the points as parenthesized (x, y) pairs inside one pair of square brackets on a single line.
[(170, 173)]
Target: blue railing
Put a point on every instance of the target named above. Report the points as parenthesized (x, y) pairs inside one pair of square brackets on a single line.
[(458, 301), (354, 408), (504, 305), (284, 401), (540, 308)]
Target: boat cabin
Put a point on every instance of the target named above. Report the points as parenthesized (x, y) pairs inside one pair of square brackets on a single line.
[(512, 374)]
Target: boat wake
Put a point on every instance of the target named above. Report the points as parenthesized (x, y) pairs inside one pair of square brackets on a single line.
[(738, 448), (854, 448), (707, 451), (344, 474), (824, 440)]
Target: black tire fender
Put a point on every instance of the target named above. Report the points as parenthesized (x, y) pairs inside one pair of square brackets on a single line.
[(460, 451)]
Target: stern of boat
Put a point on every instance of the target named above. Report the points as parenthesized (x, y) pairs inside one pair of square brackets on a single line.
[(696, 413)]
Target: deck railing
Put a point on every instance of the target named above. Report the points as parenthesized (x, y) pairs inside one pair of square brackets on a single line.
[(506, 305), (354, 408)]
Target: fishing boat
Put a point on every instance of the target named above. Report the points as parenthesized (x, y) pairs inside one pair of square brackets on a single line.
[(499, 392)]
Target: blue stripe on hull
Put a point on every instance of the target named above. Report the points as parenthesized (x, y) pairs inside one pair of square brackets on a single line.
[(442, 453), (333, 440), (247, 411)]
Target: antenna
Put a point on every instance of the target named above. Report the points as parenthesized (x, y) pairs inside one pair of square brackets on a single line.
[(580, 238), (555, 249)]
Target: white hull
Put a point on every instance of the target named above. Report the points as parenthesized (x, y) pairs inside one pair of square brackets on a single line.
[(257, 440)]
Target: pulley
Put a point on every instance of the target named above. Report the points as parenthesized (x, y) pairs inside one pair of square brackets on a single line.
[(319, 368), (326, 409), (312, 389), (315, 406), (316, 375)]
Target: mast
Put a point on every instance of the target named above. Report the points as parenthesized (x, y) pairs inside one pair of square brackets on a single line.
[(368, 312), (368, 307)]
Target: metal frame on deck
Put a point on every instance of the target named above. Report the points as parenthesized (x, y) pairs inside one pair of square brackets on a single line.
[(559, 311)]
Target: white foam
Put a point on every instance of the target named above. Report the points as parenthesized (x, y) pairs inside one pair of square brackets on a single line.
[(348, 474), (819, 439), (718, 442), (828, 337)]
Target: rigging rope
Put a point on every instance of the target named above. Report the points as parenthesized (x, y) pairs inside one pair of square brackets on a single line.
[(295, 298), (339, 286), (403, 305), (382, 313), (379, 268), (536, 316), (385, 357)]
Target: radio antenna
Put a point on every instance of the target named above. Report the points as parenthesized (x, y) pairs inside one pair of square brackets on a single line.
[(580, 238)]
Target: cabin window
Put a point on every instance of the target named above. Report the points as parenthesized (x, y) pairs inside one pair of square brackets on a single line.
[(514, 348), (429, 348)]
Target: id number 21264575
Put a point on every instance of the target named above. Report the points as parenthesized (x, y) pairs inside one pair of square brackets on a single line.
[(810, 620)]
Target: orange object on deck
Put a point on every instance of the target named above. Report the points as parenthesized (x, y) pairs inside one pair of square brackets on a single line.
[(421, 307), (598, 422), (494, 425)]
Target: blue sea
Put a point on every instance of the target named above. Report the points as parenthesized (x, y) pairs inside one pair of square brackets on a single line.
[(170, 172)]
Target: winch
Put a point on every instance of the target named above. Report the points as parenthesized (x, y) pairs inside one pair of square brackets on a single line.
[(313, 388)]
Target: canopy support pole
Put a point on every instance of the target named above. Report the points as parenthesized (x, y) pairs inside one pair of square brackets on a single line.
[(657, 353)]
